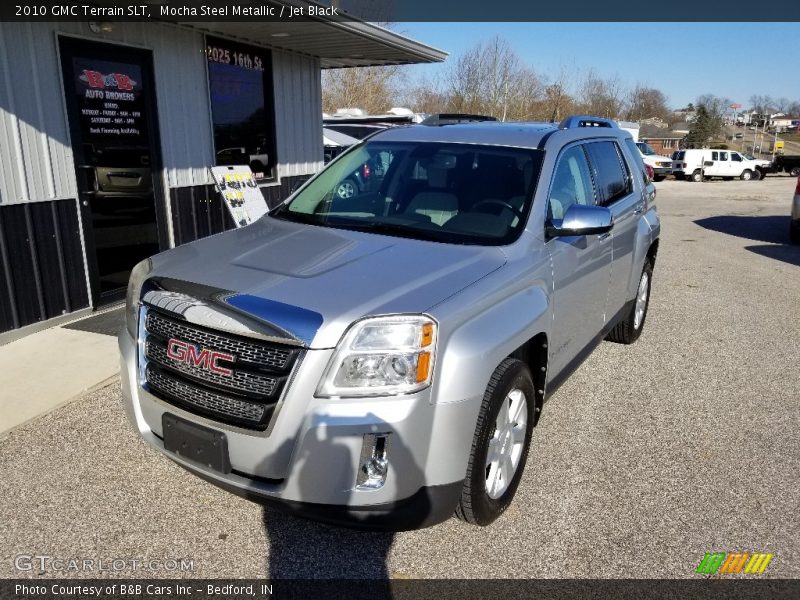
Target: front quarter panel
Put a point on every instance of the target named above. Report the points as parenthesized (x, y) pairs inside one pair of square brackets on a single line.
[(648, 231)]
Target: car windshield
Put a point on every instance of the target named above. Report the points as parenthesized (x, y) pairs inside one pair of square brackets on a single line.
[(646, 149), (452, 193)]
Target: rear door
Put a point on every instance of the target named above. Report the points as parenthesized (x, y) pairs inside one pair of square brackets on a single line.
[(614, 177), (581, 264)]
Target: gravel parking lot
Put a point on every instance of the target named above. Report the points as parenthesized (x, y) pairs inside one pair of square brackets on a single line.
[(648, 457)]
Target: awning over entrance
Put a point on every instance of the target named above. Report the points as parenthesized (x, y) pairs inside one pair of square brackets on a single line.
[(337, 44)]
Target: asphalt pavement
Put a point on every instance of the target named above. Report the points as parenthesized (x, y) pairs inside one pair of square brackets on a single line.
[(648, 457)]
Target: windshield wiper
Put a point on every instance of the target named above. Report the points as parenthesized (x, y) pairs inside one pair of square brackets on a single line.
[(390, 229)]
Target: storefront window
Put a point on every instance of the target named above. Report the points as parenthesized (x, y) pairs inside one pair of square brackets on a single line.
[(240, 78)]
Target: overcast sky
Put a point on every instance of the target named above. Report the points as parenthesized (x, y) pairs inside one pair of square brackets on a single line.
[(683, 60)]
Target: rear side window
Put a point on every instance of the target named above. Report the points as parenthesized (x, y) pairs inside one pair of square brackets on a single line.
[(637, 159), (611, 173)]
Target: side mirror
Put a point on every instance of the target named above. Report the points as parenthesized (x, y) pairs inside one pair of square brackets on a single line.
[(582, 220)]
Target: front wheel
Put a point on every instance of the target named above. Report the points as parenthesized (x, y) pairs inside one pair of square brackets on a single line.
[(697, 176), (500, 446), (795, 172), (630, 327), (658, 178)]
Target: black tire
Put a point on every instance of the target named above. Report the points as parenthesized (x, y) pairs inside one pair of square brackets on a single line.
[(476, 506), (746, 175), (697, 176), (795, 172), (794, 232), (758, 175), (626, 331), (658, 178)]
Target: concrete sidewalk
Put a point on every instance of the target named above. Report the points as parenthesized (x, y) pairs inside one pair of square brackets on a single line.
[(47, 369)]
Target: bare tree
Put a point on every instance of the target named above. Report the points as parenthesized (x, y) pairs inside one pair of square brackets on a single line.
[(601, 97), (372, 88), (645, 103)]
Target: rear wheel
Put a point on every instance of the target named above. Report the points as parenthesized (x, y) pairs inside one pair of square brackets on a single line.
[(500, 446), (697, 176), (746, 175), (630, 327)]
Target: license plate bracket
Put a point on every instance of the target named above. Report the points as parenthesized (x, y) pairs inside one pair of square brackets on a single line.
[(198, 444)]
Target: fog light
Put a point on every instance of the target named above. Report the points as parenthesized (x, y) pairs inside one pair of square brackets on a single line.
[(373, 464)]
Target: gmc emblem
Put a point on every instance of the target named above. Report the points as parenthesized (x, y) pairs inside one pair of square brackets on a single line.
[(190, 354)]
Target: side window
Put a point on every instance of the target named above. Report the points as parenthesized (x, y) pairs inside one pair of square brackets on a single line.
[(736, 157), (611, 173), (637, 160), (723, 156), (572, 183), (715, 156)]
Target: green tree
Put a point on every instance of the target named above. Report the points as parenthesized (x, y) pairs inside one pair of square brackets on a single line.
[(708, 121)]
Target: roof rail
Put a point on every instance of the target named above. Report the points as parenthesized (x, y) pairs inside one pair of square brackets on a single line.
[(576, 121), (453, 118)]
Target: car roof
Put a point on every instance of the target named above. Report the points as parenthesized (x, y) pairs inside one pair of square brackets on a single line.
[(494, 133)]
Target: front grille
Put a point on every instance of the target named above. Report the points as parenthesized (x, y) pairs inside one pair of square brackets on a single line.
[(223, 406), (238, 381), (257, 353), (246, 397)]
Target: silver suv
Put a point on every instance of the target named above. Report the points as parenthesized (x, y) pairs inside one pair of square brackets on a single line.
[(382, 360)]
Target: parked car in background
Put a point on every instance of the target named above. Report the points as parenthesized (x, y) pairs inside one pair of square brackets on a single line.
[(662, 165), (697, 164), (794, 226), (788, 164)]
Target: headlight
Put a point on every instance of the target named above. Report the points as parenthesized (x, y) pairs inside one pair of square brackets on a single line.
[(138, 275), (382, 356)]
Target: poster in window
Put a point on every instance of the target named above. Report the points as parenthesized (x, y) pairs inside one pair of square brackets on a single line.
[(110, 100)]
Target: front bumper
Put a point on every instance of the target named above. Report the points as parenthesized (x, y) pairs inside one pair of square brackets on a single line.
[(308, 460), (662, 171)]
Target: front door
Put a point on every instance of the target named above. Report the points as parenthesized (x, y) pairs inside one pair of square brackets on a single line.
[(581, 264), (113, 128)]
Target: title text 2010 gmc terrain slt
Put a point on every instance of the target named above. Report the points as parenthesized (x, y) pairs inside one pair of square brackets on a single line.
[(381, 361)]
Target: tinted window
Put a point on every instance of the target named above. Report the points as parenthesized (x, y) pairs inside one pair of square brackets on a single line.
[(240, 79), (723, 156), (735, 157), (637, 159), (715, 156), (572, 183), (610, 173)]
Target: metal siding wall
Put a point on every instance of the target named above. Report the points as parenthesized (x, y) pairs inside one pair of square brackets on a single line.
[(298, 113), (41, 263), (35, 154), (36, 161)]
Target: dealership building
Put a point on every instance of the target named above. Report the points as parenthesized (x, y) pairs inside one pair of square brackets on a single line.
[(108, 130)]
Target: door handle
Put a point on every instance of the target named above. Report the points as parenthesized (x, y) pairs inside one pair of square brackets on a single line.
[(603, 237), (639, 209)]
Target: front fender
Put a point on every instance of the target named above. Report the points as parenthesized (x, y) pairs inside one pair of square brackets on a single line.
[(470, 352)]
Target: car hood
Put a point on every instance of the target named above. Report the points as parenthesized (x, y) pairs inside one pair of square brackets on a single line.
[(315, 281)]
